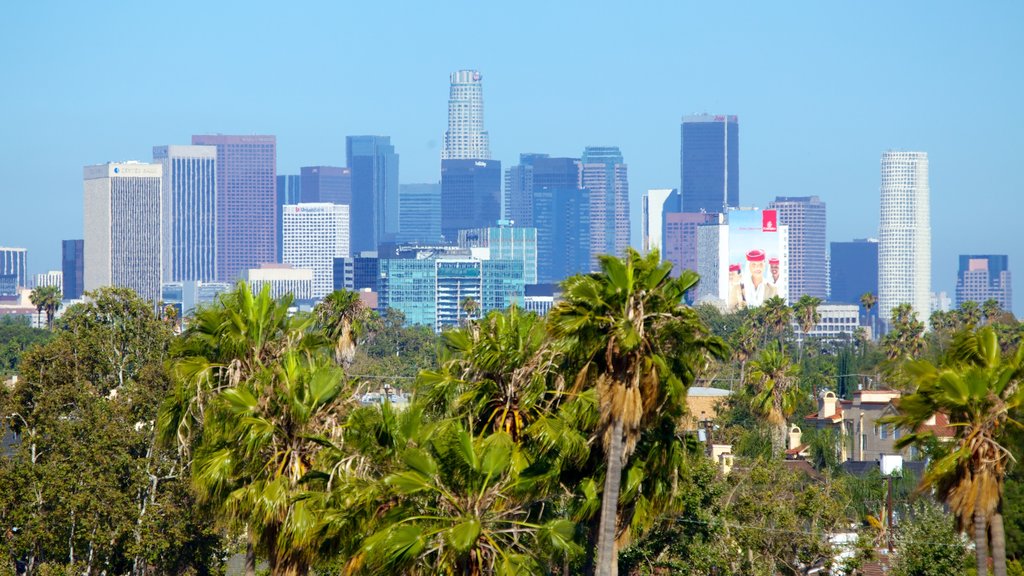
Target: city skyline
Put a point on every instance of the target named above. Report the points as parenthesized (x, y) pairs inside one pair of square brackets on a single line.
[(810, 123)]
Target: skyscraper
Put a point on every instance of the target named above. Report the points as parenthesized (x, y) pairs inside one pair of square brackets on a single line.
[(805, 216), (289, 191), (122, 227), (562, 219), (374, 214), (905, 235), (419, 213), (605, 176), (13, 270), (710, 163), (657, 203), (854, 270), (326, 184), (983, 277), (246, 202), (681, 239), (466, 137), (536, 172), (189, 212), (506, 243), (470, 195), (314, 235), (73, 268)]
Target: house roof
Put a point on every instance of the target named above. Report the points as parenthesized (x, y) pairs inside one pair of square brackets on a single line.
[(796, 451), (941, 428)]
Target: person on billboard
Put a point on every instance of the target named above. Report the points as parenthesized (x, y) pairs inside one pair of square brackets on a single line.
[(759, 289), (735, 299), (773, 265)]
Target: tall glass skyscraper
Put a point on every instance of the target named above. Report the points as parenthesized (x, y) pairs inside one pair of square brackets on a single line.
[(122, 227), (982, 277), (604, 174), (905, 235), (536, 172), (73, 268), (314, 235), (375, 206), (189, 212), (326, 184), (562, 219), (419, 209), (470, 195), (466, 137), (13, 270), (710, 163), (853, 270), (289, 191), (246, 202), (805, 216)]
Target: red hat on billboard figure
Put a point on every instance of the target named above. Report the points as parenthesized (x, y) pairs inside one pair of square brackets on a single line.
[(755, 256), (734, 267), (773, 261)]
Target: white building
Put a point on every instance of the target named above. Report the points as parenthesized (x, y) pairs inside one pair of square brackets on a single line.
[(836, 320), (189, 216), (122, 227), (314, 234), (49, 278), (654, 216), (283, 280), (905, 235), (466, 137)]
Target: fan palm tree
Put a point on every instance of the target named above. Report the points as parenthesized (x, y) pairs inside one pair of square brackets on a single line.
[(991, 310), (457, 507), (775, 317), (744, 344), (979, 390), (868, 301), (261, 440), (46, 299), (776, 394), (970, 313), (906, 338), (470, 308), (640, 346), (498, 373), (807, 316), (341, 315)]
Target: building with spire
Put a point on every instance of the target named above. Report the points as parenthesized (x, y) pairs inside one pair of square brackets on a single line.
[(466, 137)]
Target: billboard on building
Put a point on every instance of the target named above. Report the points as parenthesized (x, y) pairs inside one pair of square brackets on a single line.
[(757, 265)]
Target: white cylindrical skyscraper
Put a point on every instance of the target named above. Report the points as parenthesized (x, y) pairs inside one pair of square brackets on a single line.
[(905, 235), (466, 138)]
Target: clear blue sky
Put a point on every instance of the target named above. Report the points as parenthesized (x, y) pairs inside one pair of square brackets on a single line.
[(821, 89)]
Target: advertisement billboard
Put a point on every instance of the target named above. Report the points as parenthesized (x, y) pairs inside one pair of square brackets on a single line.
[(758, 266)]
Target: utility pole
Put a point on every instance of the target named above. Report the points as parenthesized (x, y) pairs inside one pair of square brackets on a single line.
[(888, 512)]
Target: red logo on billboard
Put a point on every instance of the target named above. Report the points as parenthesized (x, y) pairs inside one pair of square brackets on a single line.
[(769, 221)]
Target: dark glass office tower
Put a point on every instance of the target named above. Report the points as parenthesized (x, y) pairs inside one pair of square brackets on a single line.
[(853, 270), (562, 219), (375, 207), (710, 163), (289, 191), (73, 268), (535, 172), (470, 195), (326, 184), (419, 213)]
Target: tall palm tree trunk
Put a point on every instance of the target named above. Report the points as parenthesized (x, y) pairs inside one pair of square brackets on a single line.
[(250, 557), (980, 541), (607, 563), (998, 544)]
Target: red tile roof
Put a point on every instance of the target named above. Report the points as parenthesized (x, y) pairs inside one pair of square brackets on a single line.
[(941, 428)]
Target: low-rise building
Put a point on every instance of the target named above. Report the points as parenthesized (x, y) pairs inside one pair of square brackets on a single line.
[(282, 279)]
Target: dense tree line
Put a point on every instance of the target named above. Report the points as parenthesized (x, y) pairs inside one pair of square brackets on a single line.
[(529, 445)]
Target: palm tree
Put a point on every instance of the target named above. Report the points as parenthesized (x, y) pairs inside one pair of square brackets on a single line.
[(806, 312), (744, 344), (979, 390), (905, 339), (457, 507), (868, 301), (776, 394), (640, 346), (970, 313), (775, 317), (470, 307), (991, 310), (341, 315), (262, 439), (46, 299)]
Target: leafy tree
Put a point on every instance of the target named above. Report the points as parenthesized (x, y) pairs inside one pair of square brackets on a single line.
[(17, 336), (927, 545), (977, 389), (640, 346)]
